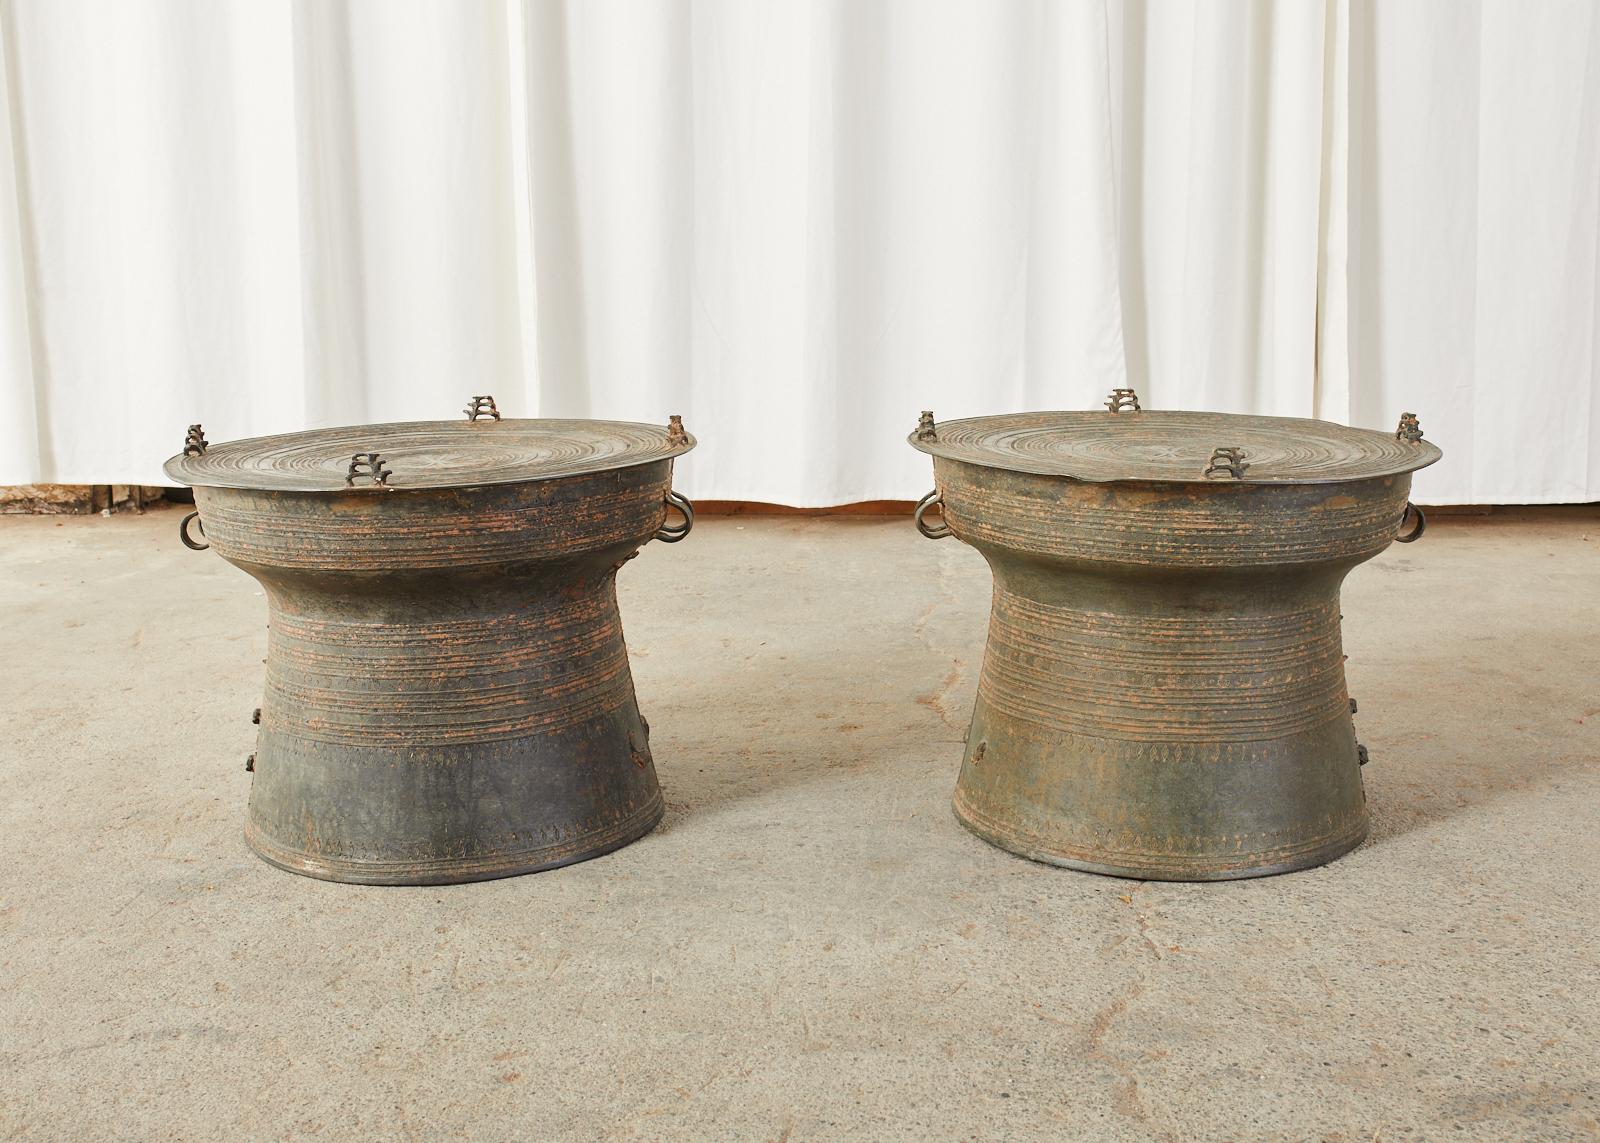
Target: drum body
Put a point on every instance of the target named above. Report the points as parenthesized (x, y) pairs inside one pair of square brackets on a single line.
[(447, 691), (1162, 693)]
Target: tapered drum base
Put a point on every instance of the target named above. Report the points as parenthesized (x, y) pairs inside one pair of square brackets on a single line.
[(1164, 727), (484, 727)]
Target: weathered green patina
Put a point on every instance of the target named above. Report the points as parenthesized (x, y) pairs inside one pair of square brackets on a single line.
[(1162, 694), (447, 689)]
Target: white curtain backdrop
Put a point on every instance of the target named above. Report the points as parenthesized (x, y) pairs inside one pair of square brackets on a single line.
[(798, 223)]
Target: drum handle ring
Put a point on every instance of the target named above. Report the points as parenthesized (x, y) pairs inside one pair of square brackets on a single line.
[(1415, 534), (672, 533), (183, 532), (935, 532)]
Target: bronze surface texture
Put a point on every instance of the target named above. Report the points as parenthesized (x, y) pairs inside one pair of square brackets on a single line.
[(447, 691), (1162, 693)]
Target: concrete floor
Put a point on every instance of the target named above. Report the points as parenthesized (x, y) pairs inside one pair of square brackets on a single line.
[(809, 947)]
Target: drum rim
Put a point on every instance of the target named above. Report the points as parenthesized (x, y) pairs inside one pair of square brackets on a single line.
[(331, 452), (1386, 454)]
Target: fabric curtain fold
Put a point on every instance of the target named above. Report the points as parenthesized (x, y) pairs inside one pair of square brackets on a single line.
[(798, 223)]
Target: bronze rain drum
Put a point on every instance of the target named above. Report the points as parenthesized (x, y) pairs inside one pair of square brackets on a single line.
[(1162, 694), (447, 691)]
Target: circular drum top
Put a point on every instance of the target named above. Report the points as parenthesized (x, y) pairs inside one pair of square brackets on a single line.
[(1150, 445), (428, 454)]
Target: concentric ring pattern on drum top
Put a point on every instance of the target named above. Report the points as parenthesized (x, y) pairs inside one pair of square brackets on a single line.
[(1162, 446), (428, 454)]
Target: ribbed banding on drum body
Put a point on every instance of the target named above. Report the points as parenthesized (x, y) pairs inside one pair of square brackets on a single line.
[(1192, 677), (378, 531), (1168, 525), (552, 663), (1163, 693), (448, 695)]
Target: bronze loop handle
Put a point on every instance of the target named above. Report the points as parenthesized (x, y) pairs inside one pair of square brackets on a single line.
[(672, 533), (183, 532), (1415, 534), (933, 532)]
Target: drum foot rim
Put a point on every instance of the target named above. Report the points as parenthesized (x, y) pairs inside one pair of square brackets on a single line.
[(1317, 852), (456, 871)]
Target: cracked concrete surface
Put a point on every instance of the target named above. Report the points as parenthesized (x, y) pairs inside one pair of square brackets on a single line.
[(810, 947)]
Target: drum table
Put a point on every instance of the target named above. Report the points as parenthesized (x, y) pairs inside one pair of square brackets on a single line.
[(447, 691), (1162, 694)]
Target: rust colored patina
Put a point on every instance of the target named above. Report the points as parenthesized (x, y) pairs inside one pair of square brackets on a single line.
[(1162, 693), (447, 689)]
